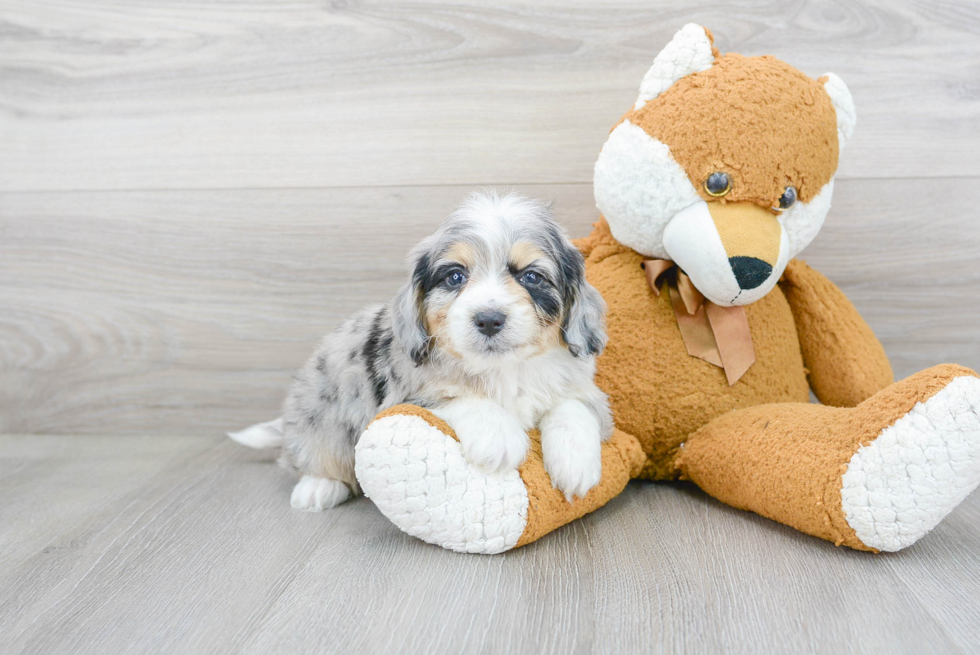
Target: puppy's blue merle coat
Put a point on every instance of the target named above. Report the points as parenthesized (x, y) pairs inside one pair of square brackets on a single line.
[(496, 331)]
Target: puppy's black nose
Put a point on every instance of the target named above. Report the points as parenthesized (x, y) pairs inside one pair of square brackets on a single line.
[(490, 322), (749, 271)]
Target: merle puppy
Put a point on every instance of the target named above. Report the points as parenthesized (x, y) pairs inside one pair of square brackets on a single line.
[(496, 332)]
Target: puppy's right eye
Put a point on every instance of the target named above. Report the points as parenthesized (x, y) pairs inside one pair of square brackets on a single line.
[(531, 277), (455, 278)]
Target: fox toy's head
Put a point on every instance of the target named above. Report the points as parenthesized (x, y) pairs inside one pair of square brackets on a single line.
[(724, 165)]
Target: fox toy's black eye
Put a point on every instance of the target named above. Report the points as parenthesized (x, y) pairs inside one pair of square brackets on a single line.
[(455, 278), (718, 184), (531, 278), (788, 198)]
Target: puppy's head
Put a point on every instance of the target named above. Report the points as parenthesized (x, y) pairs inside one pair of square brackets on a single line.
[(498, 282)]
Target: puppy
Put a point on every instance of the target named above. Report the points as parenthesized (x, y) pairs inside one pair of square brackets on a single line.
[(496, 332)]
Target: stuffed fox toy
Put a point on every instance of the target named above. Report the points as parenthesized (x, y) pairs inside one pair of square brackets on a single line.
[(716, 178)]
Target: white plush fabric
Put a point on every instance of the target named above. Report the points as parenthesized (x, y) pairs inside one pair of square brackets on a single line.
[(840, 98), (691, 240), (418, 478), (802, 222), (901, 485), (688, 52), (639, 188)]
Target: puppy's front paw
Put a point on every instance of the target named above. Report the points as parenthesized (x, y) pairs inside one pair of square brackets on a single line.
[(572, 449), (500, 446), (492, 438), (574, 471), (312, 494)]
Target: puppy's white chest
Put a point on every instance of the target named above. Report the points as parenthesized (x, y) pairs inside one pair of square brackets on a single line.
[(528, 394)]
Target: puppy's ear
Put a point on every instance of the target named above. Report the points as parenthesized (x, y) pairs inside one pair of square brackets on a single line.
[(406, 315), (584, 325)]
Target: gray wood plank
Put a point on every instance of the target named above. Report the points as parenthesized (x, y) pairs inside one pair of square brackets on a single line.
[(186, 312), (176, 566), (948, 584), (70, 479), (174, 291), (199, 552), (143, 310), (206, 94), (65, 499), (722, 572)]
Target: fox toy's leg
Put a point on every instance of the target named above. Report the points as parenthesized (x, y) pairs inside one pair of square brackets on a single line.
[(410, 464), (875, 477)]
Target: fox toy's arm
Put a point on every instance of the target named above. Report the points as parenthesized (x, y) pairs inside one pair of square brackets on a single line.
[(845, 361)]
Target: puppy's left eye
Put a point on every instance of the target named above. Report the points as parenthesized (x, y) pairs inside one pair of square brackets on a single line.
[(531, 278), (455, 278)]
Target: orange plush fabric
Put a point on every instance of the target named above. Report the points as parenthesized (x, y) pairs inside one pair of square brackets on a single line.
[(785, 461), (758, 111), (547, 509), (756, 444), (659, 393), (845, 360)]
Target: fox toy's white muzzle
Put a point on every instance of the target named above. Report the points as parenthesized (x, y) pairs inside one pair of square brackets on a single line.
[(734, 253)]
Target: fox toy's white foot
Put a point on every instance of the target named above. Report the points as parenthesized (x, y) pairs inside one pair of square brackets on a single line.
[(901, 485), (419, 478), (410, 464)]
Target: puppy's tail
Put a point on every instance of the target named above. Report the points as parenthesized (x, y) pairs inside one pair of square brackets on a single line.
[(261, 435)]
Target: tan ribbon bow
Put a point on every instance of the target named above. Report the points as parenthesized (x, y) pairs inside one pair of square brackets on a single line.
[(718, 335)]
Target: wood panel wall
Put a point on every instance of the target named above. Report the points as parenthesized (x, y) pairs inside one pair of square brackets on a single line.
[(193, 191)]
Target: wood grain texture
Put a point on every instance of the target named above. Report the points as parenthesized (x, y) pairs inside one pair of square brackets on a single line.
[(193, 191), (112, 94), (187, 312), (180, 544)]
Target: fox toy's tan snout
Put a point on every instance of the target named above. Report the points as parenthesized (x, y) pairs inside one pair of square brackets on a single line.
[(751, 237), (734, 252)]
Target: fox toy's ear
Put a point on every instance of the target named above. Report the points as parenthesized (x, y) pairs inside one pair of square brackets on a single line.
[(840, 98), (690, 51)]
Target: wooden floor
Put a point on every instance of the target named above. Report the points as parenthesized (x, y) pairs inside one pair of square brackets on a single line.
[(188, 544), (193, 191)]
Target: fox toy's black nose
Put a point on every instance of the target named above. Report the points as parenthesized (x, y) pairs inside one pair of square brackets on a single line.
[(749, 271), (490, 323)]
